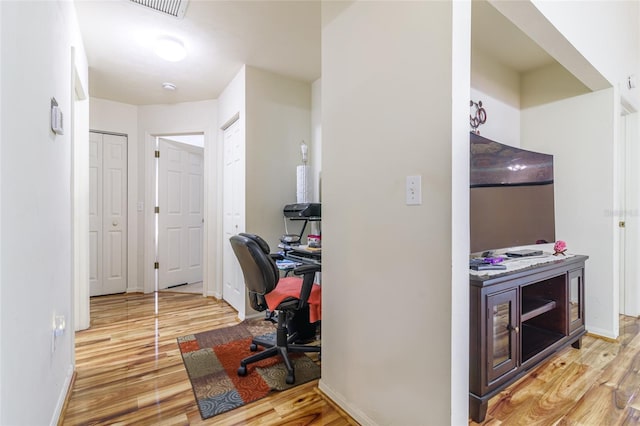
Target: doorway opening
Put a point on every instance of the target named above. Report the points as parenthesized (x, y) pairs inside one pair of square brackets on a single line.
[(179, 213)]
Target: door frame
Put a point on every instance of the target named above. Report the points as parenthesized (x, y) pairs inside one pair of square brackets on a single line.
[(189, 149), (211, 225), (126, 214), (79, 199)]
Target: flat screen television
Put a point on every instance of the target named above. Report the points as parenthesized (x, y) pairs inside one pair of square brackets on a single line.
[(511, 196)]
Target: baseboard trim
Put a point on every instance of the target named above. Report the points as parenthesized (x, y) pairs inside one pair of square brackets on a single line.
[(602, 334), (334, 404), (605, 338), (61, 408), (340, 402)]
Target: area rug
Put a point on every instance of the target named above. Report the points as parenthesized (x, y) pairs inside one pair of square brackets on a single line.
[(213, 357)]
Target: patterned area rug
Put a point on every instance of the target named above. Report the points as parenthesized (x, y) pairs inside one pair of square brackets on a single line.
[(213, 357)]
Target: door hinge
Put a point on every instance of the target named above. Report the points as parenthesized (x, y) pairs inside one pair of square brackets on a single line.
[(157, 154), (156, 265), (157, 209)]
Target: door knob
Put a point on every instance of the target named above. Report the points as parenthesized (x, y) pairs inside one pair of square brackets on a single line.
[(114, 223), (512, 328)]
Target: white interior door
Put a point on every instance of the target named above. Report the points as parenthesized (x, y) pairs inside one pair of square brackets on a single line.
[(629, 270), (181, 215), (107, 214), (621, 210), (233, 289)]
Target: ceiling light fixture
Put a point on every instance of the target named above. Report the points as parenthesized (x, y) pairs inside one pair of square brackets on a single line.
[(170, 49), (168, 86)]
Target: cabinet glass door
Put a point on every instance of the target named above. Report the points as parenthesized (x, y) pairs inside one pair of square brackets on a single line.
[(501, 333), (576, 299)]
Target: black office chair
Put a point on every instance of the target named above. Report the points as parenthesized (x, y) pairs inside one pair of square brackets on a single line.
[(261, 276)]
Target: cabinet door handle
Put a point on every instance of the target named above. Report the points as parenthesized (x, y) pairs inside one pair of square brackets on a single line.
[(512, 328)]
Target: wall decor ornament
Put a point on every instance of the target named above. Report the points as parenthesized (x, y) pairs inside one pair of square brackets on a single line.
[(479, 116)]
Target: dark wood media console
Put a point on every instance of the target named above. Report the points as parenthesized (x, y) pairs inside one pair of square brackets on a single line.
[(517, 320)]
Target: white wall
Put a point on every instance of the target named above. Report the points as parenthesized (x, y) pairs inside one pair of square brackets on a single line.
[(315, 156), (580, 132), (503, 120), (275, 116), (498, 87), (391, 354), (36, 272), (2, 342), (278, 118)]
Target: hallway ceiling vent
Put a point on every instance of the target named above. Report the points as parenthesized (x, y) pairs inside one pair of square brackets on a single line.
[(175, 8)]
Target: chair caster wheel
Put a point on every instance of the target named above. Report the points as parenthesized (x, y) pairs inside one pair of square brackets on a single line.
[(242, 371), (253, 347), (291, 379)]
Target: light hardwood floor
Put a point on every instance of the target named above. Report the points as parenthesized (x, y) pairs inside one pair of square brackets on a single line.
[(597, 385), (129, 369)]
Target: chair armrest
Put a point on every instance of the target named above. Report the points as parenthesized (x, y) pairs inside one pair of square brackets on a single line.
[(307, 269), (276, 256), (308, 273)]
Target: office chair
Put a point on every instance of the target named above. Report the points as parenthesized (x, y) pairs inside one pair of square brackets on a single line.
[(288, 296)]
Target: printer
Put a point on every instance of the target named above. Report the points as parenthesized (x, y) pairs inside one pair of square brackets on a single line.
[(299, 211), (302, 210)]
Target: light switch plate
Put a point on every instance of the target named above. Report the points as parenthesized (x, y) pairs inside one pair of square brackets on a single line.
[(414, 190)]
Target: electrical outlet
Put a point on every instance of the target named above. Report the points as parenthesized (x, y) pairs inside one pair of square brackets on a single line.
[(59, 326), (414, 190)]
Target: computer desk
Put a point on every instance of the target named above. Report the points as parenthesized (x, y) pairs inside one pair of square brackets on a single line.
[(299, 255)]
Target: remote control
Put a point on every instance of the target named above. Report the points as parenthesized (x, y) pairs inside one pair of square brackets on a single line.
[(488, 267)]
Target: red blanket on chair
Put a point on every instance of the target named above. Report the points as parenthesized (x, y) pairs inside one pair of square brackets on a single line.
[(290, 287)]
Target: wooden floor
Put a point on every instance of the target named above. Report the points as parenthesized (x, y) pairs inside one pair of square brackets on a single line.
[(129, 369), (597, 385)]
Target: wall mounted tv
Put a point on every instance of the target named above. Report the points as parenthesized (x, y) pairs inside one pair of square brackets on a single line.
[(511, 196)]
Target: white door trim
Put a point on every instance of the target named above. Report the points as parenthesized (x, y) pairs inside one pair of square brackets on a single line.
[(109, 220), (180, 227), (210, 240)]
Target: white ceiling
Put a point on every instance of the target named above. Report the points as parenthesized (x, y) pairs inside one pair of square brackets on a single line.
[(222, 35)]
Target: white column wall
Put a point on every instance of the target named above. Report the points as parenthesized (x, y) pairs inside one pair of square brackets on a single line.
[(389, 347)]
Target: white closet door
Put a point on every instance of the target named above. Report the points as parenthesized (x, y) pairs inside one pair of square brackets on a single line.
[(108, 214), (180, 220), (95, 213), (233, 289)]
